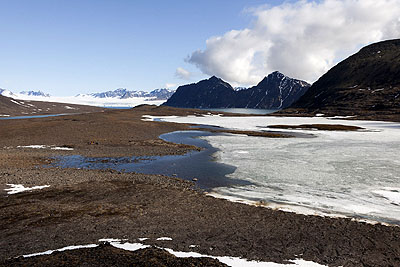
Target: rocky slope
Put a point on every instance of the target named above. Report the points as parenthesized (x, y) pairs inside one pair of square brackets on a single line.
[(274, 92), (365, 84), (12, 107)]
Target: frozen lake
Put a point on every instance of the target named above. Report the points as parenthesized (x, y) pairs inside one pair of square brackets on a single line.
[(354, 174)]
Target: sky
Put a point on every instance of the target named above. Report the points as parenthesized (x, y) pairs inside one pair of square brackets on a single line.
[(68, 47)]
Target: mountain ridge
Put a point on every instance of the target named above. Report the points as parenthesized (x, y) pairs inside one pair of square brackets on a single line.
[(275, 91), (123, 93), (364, 84)]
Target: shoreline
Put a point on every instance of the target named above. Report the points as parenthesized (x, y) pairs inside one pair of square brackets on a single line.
[(83, 206)]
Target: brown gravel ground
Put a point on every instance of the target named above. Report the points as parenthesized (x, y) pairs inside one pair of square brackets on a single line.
[(83, 206)]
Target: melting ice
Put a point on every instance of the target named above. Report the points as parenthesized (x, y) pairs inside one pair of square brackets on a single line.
[(352, 174)]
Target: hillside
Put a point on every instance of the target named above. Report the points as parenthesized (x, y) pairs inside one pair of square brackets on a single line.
[(366, 84), (13, 107), (274, 92)]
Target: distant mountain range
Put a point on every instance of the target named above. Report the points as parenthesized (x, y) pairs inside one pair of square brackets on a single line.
[(275, 91), (34, 93), (116, 98), (365, 84), (121, 93)]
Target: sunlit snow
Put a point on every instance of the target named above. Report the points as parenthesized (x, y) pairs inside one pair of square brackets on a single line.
[(18, 188), (230, 261), (45, 146)]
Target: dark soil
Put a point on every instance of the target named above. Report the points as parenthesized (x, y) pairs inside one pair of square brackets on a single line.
[(248, 133), (321, 127)]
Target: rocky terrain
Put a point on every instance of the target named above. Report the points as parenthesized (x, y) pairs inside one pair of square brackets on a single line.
[(366, 85), (83, 206), (275, 91)]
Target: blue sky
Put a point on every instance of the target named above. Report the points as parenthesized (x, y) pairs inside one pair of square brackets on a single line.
[(70, 47), (66, 47)]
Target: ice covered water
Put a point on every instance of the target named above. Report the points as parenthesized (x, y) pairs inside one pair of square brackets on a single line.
[(354, 174), (354, 178)]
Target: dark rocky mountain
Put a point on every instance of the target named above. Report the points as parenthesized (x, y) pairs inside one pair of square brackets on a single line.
[(274, 92), (365, 84), (34, 93), (210, 93), (122, 93)]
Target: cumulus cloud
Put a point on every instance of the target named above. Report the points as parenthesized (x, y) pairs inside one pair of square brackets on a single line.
[(303, 39), (170, 85), (183, 74)]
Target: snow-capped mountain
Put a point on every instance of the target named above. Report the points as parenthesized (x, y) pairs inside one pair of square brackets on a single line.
[(34, 93), (122, 93)]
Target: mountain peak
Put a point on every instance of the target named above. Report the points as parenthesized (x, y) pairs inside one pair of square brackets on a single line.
[(278, 73), (214, 78)]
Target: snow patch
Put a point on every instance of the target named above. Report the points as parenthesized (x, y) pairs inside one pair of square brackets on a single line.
[(33, 146), (239, 262), (61, 148), (48, 252), (164, 239), (231, 261), (18, 188), (45, 146)]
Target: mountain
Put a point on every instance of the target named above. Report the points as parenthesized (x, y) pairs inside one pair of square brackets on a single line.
[(211, 93), (122, 93), (365, 84), (274, 92), (34, 93)]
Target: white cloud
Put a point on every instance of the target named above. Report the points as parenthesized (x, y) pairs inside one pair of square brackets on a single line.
[(303, 39), (170, 85), (183, 74)]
